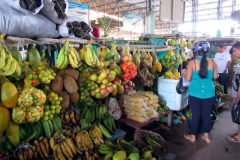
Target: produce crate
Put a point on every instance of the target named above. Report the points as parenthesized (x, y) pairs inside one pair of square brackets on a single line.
[(167, 92), (140, 141)]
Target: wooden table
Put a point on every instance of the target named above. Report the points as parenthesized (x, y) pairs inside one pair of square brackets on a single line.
[(138, 125)]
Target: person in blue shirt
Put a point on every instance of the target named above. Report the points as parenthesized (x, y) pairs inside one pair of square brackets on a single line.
[(201, 71)]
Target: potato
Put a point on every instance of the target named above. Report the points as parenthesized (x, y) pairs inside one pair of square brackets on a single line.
[(57, 84), (66, 99), (74, 97), (69, 71), (70, 85)]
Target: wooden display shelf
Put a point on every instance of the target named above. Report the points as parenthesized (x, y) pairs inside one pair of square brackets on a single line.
[(139, 125)]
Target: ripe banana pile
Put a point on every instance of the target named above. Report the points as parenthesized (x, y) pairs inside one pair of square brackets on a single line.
[(8, 64), (26, 151), (42, 147), (68, 55), (69, 118)]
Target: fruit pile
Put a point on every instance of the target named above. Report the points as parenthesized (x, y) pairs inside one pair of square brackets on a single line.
[(30, 105), (173, 42), (44, 74)]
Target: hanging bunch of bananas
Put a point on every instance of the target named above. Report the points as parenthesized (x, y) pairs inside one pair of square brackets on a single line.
[(157, 68), (136, 58), (67, 55), (90, 57), (42, 147), (74, 58), (26, 151), (8, 64), (183, 43), (146, 60)]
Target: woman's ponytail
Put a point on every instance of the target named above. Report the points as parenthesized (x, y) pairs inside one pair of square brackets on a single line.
[(203, 72)]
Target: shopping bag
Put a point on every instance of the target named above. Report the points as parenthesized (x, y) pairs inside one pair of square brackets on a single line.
[(180, 88), (235, 112), (236, 80)]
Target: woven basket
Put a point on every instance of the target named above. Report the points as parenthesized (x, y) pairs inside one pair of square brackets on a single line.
[(141, 142)]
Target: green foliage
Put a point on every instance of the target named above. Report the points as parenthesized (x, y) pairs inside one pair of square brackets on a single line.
[(105, 26)]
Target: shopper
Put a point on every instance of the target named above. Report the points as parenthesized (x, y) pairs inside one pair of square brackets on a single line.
[(223, 60), (200, 72), (236, 54)]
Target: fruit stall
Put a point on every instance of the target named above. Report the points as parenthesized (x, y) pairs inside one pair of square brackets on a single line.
[(70, 101)]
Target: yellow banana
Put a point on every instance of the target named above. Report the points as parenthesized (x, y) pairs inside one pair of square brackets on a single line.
[(43, 148), (68, 148), (8, 63), (58, 153), (72, 117), (11, 70), (64, 150), (46, 145), (74, 56), (72, 61), (2, 58), (154, 68), (72, 49), (71, 144), (52, 143), (159, 67), (37, 145)]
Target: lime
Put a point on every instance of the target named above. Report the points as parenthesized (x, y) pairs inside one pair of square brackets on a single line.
[(57, 111), (53, 111), (50, 116), (52, 107), (45, 118)]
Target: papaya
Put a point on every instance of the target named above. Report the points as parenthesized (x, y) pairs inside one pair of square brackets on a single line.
[(120, 155), (16, 54), (12, 132), (4, 119), (33, 56), (9, 95), (116, 58), (109, 56)]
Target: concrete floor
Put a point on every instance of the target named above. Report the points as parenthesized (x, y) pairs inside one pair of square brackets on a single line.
[(219, 148)]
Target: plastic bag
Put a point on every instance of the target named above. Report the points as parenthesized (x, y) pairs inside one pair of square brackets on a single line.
[(114, 109), (30, 7), (180, 89), (55, 10), (75, 27), (236, 80), (235, 112), (15, 23)]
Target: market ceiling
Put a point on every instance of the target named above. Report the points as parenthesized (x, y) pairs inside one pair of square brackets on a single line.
[(116, 7)]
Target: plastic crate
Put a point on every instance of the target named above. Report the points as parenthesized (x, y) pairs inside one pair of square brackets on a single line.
[(167, 92)]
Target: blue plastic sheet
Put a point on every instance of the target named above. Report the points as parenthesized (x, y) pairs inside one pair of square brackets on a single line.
[(157, 41)]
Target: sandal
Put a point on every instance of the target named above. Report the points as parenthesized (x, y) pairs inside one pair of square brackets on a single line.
[(187, 136), (234, 139), (207, 140)]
